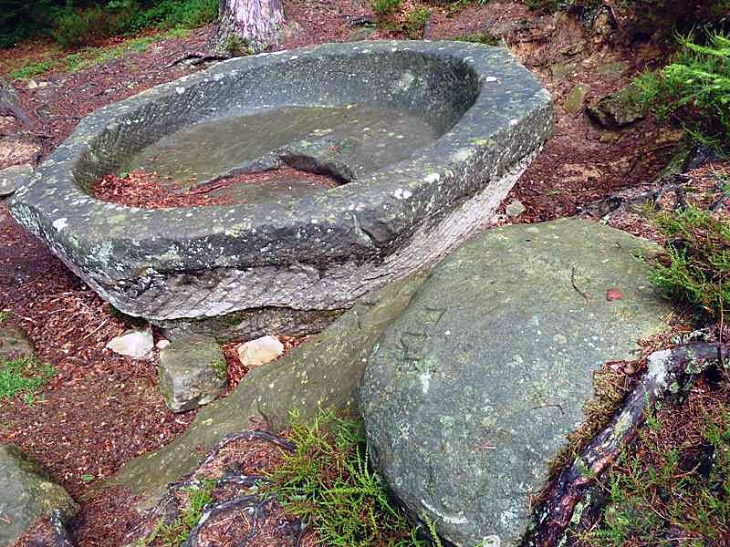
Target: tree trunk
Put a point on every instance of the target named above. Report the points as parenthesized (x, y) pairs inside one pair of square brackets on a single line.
[(251, 25)]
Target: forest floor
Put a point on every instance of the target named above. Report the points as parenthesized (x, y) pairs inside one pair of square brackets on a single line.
[(101, 410)]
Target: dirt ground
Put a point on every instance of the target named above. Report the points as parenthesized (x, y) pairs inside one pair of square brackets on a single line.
[(102, 410)]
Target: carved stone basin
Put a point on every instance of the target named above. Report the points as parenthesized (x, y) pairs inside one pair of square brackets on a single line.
[(422, 140)]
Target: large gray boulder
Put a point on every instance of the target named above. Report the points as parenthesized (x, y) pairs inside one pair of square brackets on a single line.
[(27, 494), (193, 372), (469, 395)]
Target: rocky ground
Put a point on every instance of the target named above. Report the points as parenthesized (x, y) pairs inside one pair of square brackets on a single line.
[(101, 410)]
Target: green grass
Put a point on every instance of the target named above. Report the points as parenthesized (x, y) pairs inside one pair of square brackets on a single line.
[(328, 482), (678, 492), (694, 90), (696, 267), (23, 376), (90, 56)]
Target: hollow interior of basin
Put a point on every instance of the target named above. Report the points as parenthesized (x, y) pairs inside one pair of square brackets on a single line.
[(344, 142), (343, 115)]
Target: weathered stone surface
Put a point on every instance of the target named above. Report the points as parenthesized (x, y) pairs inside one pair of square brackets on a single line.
[(617, 109), (193, 372), (137, 344), (489, 116), (11, 178), (27, 494), (249, 324), (322, 373), (260, 351), (14, 343), (468, 395)]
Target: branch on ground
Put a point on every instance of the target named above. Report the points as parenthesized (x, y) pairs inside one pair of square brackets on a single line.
[(666, 368)]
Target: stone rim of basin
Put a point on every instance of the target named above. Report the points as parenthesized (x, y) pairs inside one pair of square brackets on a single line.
[(125, 253)]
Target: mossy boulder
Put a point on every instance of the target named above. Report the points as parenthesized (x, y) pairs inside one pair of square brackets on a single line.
[(469, 395), (618, 109), (27, 494)]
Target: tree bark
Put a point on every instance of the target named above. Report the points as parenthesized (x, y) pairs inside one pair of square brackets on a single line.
[(253, 24)]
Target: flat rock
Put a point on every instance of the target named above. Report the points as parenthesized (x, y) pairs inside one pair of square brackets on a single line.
[(137, 344), (27, 494), (14, 342), (260, 351), (322, 373), (13, 177), (192, 372), (469, 395)]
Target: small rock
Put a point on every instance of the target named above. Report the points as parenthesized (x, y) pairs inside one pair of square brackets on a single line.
[(137, 344), (32, 84), (260, 351), (193, 372), (609, 137), (28, 494), (515, 209), (617, 109), (163, 343), (13, 178), (14, 343), (360, 34), (574, 100)]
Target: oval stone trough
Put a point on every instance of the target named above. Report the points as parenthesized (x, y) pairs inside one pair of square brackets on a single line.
[(453, 126)]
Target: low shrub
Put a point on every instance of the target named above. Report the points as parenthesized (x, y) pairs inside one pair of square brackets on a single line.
[(694, 90), (76, 23), (328, 482), (386, 7), (696, 267)]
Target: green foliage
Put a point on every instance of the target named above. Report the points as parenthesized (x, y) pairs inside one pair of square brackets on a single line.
[(4, 316), (696, 268), (386, 7), (77, 23), (84, 58), (328, 482), (694, 90), (74, 28), (23, 376), (416, 22), (649, 498)]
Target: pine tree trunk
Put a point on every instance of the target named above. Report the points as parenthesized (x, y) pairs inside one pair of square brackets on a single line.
[(249, 24)]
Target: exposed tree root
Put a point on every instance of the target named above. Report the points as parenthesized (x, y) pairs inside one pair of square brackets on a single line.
[(196, 59), (666, 369)]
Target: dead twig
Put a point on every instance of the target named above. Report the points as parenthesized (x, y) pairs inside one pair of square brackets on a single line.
[(572, 282)]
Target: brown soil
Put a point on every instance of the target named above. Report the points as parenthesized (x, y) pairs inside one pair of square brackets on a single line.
[(102, 410), (149, 191)]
